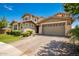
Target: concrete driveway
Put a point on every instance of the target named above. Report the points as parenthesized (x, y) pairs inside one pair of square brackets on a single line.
[(32, 45)]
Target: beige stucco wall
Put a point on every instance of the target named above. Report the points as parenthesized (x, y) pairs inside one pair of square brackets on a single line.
[(67, 29)]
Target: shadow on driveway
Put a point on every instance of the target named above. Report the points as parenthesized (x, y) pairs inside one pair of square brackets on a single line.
[(56, 48)]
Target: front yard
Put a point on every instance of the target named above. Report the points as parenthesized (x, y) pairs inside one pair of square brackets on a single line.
[(14, 36), (8, 38)]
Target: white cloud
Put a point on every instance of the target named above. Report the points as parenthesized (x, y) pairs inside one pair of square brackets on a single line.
[(8, 7)]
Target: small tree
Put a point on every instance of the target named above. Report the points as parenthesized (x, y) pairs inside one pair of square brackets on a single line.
[(73, 9), (3, 22)]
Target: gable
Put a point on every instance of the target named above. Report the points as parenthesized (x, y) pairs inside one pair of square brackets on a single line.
[(26, 15)]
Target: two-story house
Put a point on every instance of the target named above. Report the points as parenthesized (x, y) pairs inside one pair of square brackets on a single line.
[(28, 22), (59, 24)]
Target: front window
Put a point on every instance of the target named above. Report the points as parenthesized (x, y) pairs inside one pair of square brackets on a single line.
[(26, 25)]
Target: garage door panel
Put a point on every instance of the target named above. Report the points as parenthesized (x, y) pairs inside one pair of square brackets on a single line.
[(53, 29)]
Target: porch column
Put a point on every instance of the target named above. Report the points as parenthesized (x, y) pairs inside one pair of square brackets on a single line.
[(12, 27), (66, 29), (40, 29)]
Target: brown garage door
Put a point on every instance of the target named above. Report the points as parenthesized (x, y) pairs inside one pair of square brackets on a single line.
[(54, 29)]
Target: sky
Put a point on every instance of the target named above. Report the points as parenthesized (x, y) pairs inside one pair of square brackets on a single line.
[(14, 11)]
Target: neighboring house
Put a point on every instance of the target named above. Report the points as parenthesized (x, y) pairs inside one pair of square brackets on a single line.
[(58, 24), (5, 29)]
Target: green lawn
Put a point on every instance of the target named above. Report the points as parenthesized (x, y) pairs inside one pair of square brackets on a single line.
[(8, 38)]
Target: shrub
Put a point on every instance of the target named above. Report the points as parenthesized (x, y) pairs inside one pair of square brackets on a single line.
[(15, 32), (30, 32), (8, 33), (27, 33), (74, 34)]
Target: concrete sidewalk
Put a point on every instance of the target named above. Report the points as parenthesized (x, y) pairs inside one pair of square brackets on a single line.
[(8, 50)]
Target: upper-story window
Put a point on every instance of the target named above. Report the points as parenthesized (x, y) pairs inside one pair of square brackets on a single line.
[(35, 19), (27, 18)]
